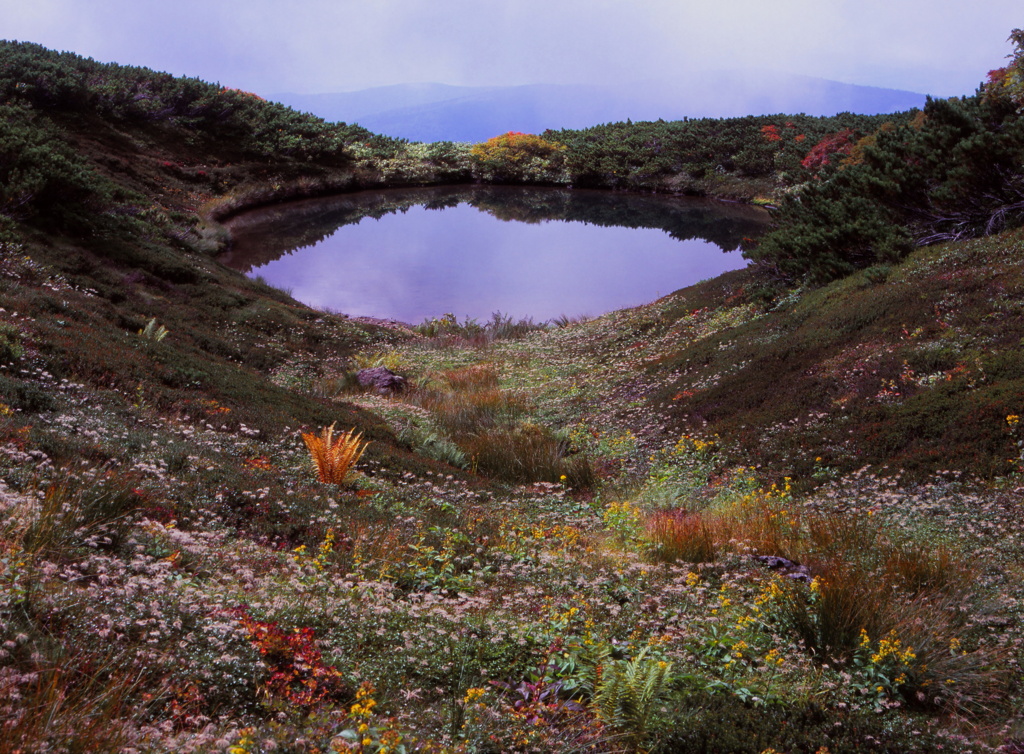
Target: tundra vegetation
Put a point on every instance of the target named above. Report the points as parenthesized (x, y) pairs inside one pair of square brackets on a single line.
[(777, 511)]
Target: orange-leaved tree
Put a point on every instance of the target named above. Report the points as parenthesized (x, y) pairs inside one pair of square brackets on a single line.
[(1008, 82)]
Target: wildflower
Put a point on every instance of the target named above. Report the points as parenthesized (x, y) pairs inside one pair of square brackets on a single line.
[(473, 694), (245, 740), (865, 641)]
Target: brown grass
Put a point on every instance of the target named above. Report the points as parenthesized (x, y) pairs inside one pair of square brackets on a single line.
[(677, 535), (528, 453), (476, 377), (67, 708), (334, 457)]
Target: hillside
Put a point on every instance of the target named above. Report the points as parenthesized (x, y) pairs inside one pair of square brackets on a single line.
[(778, 510)]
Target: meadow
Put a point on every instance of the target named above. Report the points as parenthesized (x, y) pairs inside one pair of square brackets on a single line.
[(777, 511)]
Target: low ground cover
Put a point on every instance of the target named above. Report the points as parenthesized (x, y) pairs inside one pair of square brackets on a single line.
[(733, 520), (243, 603)]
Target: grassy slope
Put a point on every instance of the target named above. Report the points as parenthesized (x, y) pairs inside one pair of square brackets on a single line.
[(915, 370), (182, 461)]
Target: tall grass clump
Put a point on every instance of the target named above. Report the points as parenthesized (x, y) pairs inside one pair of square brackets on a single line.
[(678, 535), (97, 515), (334, 457), (490, 426), (900, 611), (448, 329), (71, 705), (527, 453)]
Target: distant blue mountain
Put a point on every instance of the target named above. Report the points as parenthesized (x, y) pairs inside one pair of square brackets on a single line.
[(439, 112)]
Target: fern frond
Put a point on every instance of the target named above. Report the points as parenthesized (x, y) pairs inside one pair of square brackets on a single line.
[(153, 332), (628, 692), (334, 457)]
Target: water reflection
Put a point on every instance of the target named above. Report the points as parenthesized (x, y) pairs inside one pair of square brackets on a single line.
[(471, 250)]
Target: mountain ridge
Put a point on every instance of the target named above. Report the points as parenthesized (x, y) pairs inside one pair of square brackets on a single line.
[(433, 112)]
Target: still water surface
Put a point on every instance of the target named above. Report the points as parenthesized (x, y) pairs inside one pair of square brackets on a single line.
[(526, 252)]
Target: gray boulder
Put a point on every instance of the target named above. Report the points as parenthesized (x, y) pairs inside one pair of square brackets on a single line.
[(785, 567), (381, 379)]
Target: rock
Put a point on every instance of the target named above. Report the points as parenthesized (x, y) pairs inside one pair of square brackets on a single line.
[(784, 566), (381, 379)]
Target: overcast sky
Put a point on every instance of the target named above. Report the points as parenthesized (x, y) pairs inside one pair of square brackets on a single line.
[(941, 47)]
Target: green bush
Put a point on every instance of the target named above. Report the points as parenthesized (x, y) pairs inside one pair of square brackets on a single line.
[(954, 173)]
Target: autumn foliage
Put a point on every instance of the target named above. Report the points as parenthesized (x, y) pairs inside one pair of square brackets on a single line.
[(830, 149), (1008, 82), (297, 673), (333, 456), (514, 147)]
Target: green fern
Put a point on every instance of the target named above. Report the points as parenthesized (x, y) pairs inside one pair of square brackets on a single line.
[(627, 693), (152, 331)]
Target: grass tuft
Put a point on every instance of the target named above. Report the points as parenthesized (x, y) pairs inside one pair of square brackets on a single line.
[(677, 535)]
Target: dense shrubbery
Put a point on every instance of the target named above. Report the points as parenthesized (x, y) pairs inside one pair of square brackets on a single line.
[(41, 174), (46, 79), (695, 156), (956, 173)]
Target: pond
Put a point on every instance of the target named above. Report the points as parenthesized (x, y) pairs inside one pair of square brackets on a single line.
[(542, 253)]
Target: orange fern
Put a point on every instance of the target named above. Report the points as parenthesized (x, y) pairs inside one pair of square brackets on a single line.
[(334, 456)]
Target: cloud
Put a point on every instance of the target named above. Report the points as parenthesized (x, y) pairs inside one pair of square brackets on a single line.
[(944, 46)]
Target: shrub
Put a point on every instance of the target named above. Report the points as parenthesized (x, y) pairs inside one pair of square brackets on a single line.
[(1008, 82), (11, 348), (954, 174), (296, 672), (518, 156)]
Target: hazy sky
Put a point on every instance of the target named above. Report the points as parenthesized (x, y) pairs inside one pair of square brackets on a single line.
[(941, 47)]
